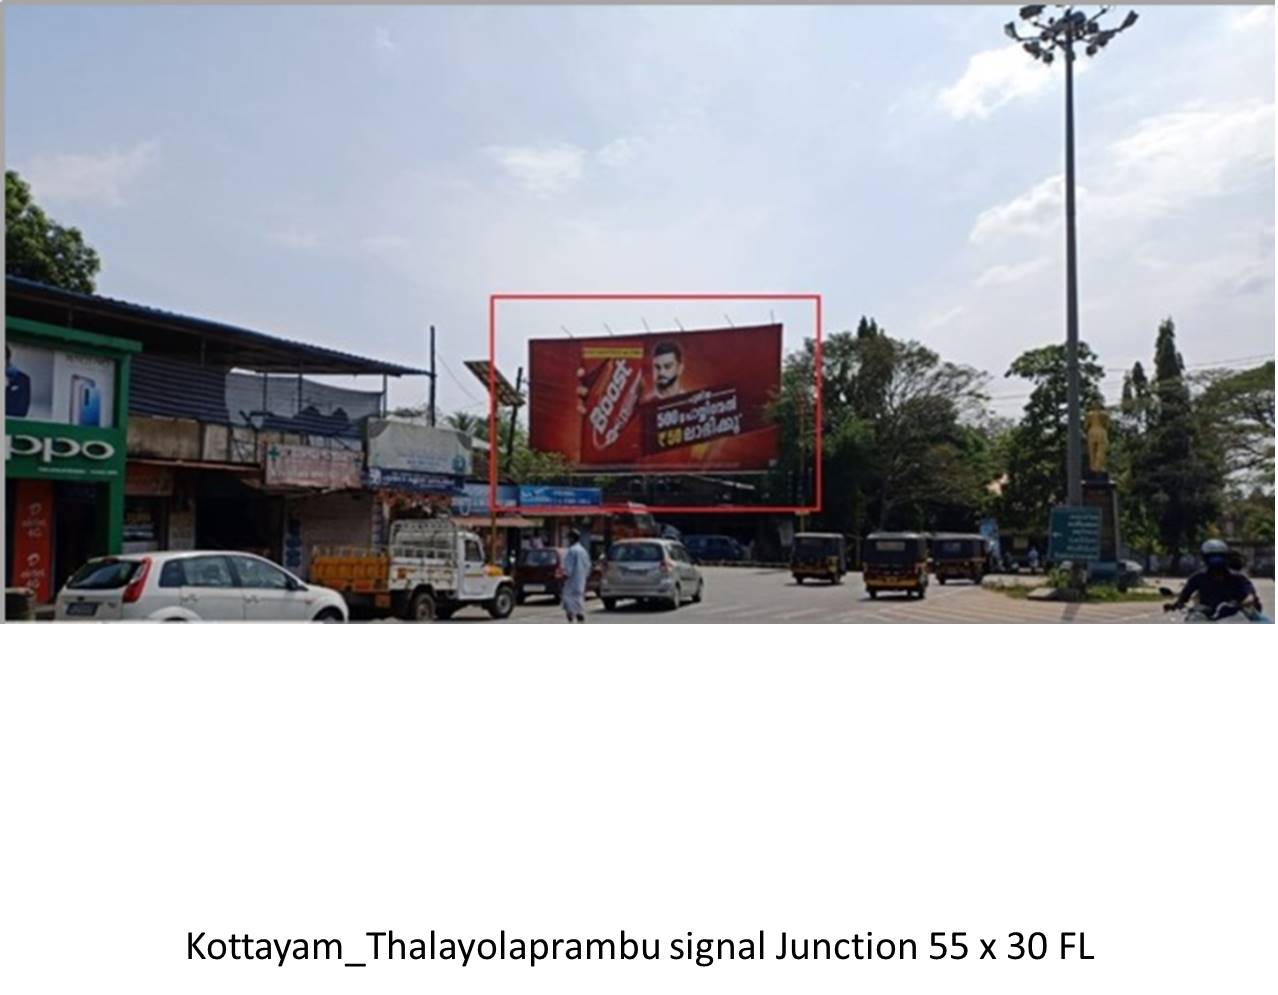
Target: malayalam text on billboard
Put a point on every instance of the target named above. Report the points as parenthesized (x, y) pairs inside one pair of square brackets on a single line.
[(659, 401)]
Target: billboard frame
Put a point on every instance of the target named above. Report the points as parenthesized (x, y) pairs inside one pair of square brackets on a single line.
[(715, 509)]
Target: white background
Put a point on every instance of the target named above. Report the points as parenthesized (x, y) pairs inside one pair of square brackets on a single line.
[(288, 781)]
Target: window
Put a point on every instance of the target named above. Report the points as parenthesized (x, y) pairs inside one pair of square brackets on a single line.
[(172, 574), (680, 553), (541, 557), (635, 552), (103, 575), (208, 571), (474, 552), (260, 574)]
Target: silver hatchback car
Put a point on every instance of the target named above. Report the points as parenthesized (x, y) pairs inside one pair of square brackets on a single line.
[(650, 570)]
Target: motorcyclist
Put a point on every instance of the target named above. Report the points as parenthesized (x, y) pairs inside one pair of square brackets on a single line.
[(1216, 584)]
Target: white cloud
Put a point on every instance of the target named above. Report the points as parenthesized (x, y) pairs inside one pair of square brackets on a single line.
[(542, 170), (102, 178), (619, 151), (1167, 162), (993, 78), (1006, 273), (1034, 212), (1251, 19), (383, 42), (293, 238)]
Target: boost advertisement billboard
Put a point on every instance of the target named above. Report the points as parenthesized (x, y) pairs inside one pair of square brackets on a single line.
[(669, 401)]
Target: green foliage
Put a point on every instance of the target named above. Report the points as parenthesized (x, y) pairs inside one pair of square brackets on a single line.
[(1035, 449), (903, 439), (39, 248)]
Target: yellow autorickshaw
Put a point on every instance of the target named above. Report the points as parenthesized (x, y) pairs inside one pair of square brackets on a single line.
[(960, 556), (895, 561), (819, 554)]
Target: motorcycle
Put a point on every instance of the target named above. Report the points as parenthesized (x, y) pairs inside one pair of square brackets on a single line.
[(1226, 611)]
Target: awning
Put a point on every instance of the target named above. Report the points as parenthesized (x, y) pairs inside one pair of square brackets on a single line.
[(180, 464), (503, 522)]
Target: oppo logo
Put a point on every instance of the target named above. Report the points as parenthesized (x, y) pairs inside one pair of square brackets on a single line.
[(50, 448)]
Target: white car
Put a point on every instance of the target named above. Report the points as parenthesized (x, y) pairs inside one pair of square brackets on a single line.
[(650, 571), (193, 586)]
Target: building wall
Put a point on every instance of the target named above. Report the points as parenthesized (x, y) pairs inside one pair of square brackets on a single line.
[(344, 519)]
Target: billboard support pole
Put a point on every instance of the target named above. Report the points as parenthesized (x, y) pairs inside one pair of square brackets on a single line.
[(432, 375), (514, 414)]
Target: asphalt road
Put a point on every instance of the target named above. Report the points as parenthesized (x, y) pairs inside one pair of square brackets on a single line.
[(748, 594)]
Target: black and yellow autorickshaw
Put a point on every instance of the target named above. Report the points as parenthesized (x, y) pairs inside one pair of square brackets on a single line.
[(960, 556), (895, 561), (819, 554)]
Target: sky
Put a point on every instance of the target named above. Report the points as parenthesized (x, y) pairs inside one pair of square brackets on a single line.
[(350, 176)]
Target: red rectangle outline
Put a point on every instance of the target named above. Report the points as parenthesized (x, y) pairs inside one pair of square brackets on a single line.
[(667, 509)]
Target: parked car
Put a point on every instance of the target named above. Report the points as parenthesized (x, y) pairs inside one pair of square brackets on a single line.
[(714, 549), (541, 571), (194, 586), (650, 570)]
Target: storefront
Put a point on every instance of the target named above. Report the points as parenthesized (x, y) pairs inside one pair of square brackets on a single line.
[(66, 415)]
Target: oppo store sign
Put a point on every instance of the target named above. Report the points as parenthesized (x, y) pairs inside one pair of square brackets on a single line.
[(62, 455)]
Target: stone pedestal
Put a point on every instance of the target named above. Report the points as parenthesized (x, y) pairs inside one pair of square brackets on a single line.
[(1101, 492)]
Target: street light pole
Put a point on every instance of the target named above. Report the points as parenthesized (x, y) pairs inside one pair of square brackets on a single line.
[(1073, 446), (1060, 34)]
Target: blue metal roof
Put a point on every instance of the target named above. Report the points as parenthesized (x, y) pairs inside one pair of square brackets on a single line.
[(214, 341)]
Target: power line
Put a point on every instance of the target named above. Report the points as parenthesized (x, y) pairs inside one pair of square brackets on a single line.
[(460, 386)]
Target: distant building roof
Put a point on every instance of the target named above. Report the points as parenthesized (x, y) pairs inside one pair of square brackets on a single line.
[(168, 333)]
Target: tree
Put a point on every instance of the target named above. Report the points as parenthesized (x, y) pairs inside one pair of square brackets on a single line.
[(1176, 473), (900, 427), (1036, 449), (1237, 415), (39, 248)]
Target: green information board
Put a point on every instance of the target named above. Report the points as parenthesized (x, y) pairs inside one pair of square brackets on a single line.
[(1075, 534)]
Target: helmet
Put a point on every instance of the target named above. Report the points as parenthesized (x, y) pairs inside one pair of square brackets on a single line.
[(1215, 547)]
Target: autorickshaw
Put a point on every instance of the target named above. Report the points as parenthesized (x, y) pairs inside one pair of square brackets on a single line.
[(819, 554), (960, 556), (895, 561)]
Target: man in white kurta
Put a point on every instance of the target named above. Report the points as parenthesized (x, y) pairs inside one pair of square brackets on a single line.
[(576, 572)]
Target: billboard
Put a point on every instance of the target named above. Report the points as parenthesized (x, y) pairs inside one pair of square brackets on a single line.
[(65, 388), (657, 402)]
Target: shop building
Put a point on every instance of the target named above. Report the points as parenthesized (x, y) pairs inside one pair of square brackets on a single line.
[(231, 442)]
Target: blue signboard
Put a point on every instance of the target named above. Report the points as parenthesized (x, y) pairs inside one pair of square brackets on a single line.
[(409, 480), (560, 497), (473, 499)]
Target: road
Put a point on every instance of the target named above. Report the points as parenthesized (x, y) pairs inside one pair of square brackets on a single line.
[(749, 594)]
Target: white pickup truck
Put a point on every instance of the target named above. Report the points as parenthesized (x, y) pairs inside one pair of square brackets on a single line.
[(428, 570)]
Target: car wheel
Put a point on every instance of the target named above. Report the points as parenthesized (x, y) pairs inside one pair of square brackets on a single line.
[(610, 604), (701, 588), (503, 603), (873, 594), (798, 580), (329, 615), (941, 581), (422, 607), (677, 599)]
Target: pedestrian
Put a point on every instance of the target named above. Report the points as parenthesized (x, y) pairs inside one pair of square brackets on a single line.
[(1033, 559), (576, 572)]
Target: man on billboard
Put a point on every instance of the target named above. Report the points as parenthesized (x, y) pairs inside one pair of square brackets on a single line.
[(17, 388), (667, 368)]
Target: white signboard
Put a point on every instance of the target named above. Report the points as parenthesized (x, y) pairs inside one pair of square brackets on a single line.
[(311, 466), (420, 448), (66, 388)]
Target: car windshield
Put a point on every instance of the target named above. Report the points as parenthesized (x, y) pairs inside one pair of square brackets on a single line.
[(541, 558), (635, 552), (103, 575)]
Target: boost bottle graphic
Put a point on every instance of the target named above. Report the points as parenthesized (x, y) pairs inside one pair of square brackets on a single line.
[(612, 385)]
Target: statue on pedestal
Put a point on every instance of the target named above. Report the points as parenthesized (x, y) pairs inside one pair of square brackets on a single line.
[(1097, 440)]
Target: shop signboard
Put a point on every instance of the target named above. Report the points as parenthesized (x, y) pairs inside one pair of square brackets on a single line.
[(668, 401), (473, 499), (33, 538), (537, 496), (311, 466), (63, 452), (148, 480), (378, 478), (394, 445)]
